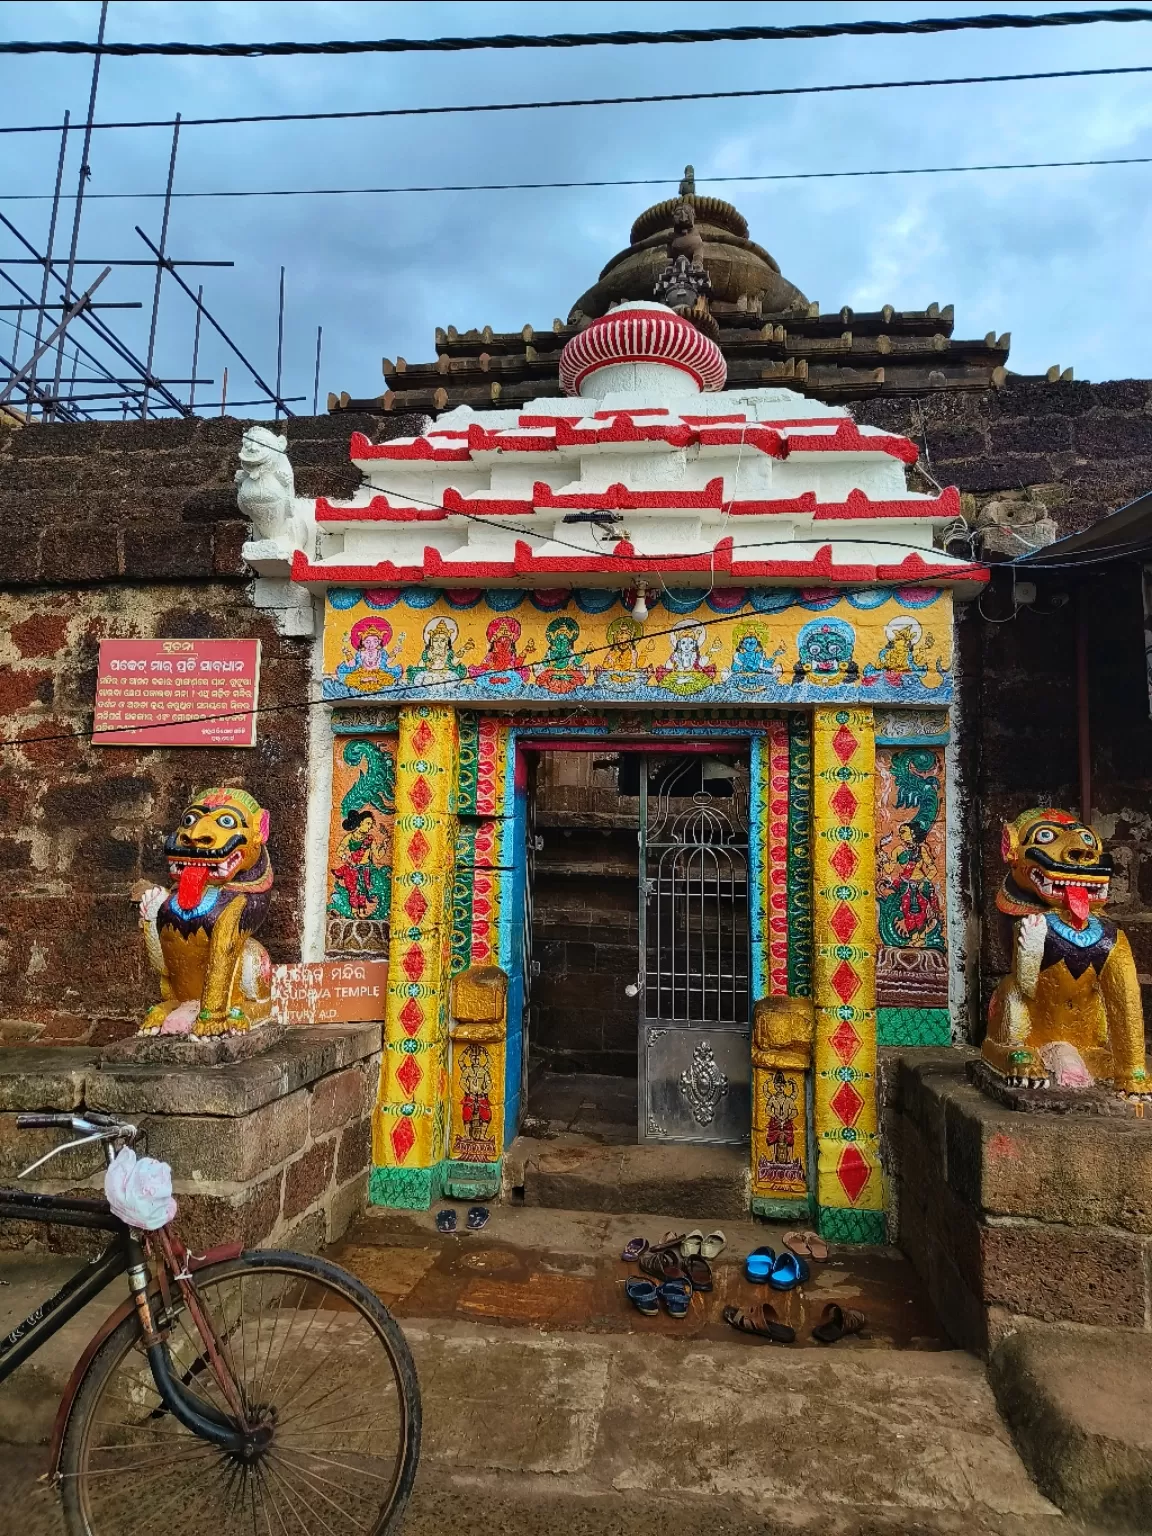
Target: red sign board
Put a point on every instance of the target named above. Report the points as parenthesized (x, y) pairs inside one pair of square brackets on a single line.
[(177, 693), (331, 992)]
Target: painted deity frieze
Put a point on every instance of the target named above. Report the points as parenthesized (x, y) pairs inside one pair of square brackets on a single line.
[(728, 646), (911, 900), (360, 845)]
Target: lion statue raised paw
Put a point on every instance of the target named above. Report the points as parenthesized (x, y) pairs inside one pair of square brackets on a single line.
[(215, 979), (1069, 1011)]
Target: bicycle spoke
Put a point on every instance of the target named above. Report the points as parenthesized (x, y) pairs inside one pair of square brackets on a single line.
[(295, 1488), (323, 1377), (342, 1466)]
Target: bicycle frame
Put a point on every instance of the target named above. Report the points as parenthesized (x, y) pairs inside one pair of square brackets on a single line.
[(75, 1294), (124, 1255)]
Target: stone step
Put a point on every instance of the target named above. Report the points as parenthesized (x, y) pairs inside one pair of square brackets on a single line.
[(695, 1183), (1079, 1404)]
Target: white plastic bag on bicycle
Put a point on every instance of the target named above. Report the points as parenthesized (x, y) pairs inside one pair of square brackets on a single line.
[(139, 1190)]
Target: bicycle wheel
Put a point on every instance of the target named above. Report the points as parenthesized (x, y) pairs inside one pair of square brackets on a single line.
[(316, 1357)]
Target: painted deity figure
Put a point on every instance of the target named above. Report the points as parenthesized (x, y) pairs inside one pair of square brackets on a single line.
[(910, 911), (439, 661), (503, 664), (825, 654), (476, 1081), (904, 653), (688, 670), (626, 660), (215, 978), (363, 878), (783, 1112), (368, 664), (752, 666), (1069, 1011), (561, 669)]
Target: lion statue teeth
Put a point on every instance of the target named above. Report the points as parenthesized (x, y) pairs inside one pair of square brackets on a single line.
[(1069, 1011), (215, 979)]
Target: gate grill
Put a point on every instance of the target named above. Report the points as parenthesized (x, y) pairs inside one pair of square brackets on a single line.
[(694, 915)]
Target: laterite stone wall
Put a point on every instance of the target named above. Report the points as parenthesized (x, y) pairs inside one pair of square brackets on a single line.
[(1084, 450), (128, 529)]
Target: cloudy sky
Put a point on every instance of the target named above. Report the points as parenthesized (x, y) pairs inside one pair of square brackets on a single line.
[(1058, 257)]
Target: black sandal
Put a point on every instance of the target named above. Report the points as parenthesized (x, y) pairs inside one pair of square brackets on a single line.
[(699, 1271), (761, 1320), (837, 1323)]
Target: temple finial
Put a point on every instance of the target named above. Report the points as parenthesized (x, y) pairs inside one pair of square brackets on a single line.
[(688, 185)]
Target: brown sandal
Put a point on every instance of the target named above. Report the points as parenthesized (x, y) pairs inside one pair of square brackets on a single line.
[(664, 1264), (761, 1320), (837, 1323)]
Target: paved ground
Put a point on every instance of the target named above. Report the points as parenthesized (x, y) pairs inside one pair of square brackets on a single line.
[(524, 1429), (550, 1404)]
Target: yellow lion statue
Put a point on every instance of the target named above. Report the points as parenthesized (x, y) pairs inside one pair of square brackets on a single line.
[(1069, 1011), (215, 979)]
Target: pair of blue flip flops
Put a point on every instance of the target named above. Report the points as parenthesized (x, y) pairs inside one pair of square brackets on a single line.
[(646, 1296), (477, 1217), (783, 1272)]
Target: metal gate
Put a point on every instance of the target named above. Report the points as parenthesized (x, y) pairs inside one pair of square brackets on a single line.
[(694, 950)]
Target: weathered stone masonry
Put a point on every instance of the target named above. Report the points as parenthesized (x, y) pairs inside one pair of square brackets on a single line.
[(127, 528)]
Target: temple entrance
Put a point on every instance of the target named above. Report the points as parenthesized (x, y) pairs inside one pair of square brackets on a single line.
[(694, 948), (637, 1021)]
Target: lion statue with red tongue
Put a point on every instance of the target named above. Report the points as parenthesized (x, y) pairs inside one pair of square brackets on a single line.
[(215, 979), (1069, 1012)]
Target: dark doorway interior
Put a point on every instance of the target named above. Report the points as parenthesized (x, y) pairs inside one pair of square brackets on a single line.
[(584, 920)]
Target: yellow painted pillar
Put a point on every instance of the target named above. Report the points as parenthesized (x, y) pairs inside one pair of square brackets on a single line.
[(410, 1125), (850, 1182)]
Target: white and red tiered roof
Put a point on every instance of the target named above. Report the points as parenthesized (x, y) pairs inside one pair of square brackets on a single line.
[(648, 470)]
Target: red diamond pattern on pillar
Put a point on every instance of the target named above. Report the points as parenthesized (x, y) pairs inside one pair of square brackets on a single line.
[(845, 982), (421, 793), (845, 1041), (410, 1074), (413, 962), (422, 737), (417, 848), (844, 803), (853, 1172), (844, 743), (844, 861), (416, 906), (846, 1103), (403, 1139), (843, 922), (411, 1016)]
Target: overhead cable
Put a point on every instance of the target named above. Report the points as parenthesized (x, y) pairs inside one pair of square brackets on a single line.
[(594, 101), (925, 26), (630, 181)]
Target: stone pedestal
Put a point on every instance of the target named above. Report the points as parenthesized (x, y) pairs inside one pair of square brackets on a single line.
[(270, 1151), (195, 1050), (1009, 1215)]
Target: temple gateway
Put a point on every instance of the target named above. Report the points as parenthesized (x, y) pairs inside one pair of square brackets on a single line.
[(643, 638)]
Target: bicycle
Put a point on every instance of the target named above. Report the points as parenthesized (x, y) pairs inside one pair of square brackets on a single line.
[(263, 1390)]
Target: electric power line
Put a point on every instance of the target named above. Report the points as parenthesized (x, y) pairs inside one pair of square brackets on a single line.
[(596, 101), (923, 27), (630, 181)]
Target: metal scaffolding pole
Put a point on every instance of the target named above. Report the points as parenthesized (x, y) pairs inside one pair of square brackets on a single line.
[(69, 315), (51, 237), (272, 395), (85, 172), (160, 260)]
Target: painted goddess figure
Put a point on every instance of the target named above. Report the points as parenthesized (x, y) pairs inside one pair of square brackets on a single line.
[(368, 662), (752, 667), (439, 662), (687, 669)]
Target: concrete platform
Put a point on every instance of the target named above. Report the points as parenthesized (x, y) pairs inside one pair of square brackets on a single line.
[(532, 1433), (1079, 1404)]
